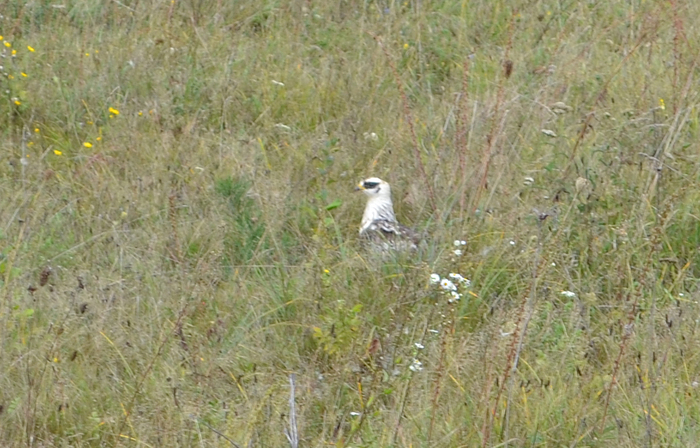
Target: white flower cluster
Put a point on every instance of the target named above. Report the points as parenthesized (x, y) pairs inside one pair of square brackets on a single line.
[(370, 136), (458, 244), (416, 366), (451, 285)]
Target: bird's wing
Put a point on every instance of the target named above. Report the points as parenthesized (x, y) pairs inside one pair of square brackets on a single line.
[(391, 230)]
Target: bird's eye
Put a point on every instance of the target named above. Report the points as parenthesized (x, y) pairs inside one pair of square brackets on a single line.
[(370, 185)]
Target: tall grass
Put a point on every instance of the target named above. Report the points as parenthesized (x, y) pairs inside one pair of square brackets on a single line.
[(178, 232)]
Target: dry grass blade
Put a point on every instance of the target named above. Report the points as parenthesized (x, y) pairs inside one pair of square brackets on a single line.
[(291, 432)]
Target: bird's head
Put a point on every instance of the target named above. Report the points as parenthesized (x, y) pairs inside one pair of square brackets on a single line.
[(374, 187)]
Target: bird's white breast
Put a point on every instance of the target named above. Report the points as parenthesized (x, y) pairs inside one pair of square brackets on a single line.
[(378, 208)]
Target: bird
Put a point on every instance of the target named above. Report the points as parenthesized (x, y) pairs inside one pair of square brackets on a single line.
[(379, 227)]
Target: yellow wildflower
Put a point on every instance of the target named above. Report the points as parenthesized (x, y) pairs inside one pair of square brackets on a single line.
[(87, 54), (57, 152), (113, 111), (405, 46), (140, 113), (17, 102), (36, 130), (87, 145), (10, 77), (29, 47), (662, 104), (99, 138), (7, 44), (14, 52), (24, 74)]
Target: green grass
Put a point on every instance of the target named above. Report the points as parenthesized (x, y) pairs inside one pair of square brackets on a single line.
[(166, 268)]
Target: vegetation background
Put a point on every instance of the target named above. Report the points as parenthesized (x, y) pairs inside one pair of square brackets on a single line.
[(178, 232)]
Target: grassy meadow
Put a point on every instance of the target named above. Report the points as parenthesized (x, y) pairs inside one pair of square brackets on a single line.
[(178, 227)]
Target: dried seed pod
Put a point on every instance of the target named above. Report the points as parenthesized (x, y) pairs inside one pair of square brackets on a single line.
[(44, 276)]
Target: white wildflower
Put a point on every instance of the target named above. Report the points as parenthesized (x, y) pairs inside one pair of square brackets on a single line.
[(434, 331), (458, 243), (511, 242), (355, 414), (416, 366), (455, 295), (419, 346), (529, 181), (457, 252), (434, 279), (447, 285), (569, 294), (277, 83), (549, 133), (457, 277)]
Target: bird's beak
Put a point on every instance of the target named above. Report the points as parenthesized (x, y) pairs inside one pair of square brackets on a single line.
[(359, 187)]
